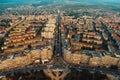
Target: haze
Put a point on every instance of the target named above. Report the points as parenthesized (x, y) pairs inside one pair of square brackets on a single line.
[(27, 1)]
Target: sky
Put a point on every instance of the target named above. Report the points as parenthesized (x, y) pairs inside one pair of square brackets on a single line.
[(26, 1), (16, 1)]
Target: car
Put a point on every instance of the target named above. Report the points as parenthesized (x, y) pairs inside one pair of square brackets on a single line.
[(58, 55), (45, 61), (49, 66), (37, 61)]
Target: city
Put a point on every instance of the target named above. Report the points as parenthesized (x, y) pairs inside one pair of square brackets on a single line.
[(57, 39)]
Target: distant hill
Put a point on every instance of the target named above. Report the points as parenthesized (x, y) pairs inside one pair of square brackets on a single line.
[(52, 1), (97, 1)]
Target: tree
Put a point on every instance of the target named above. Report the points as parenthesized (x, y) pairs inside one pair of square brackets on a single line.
[(114, 67), (29, 47)]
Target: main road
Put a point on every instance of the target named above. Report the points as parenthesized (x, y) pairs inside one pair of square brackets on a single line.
[(58, 38)]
